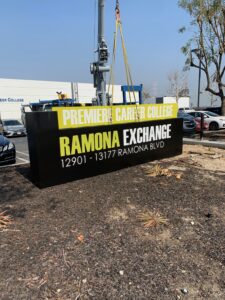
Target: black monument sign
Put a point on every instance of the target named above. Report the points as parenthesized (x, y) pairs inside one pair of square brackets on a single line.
[(58, 156)]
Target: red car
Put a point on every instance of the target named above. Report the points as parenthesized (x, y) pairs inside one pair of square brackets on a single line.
[(198, 125)]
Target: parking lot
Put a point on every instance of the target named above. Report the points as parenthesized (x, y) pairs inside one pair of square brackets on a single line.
[(22, 153)]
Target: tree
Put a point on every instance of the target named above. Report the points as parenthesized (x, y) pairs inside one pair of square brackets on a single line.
[(146, 95), (178, 84), (206, 49)]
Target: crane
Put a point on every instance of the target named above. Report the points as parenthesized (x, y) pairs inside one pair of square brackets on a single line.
[(100, 67)]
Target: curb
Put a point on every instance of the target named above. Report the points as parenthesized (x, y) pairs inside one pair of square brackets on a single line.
[(217, 144)]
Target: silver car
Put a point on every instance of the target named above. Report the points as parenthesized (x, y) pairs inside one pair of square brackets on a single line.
[(12, 127)]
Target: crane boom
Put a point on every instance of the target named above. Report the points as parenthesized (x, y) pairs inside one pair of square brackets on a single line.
[(99, 68)]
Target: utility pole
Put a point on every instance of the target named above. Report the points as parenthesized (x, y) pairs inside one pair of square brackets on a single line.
[(99, 68)]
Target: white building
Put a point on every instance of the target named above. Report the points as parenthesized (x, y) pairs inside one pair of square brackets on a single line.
[(16, 92), (183, 102)]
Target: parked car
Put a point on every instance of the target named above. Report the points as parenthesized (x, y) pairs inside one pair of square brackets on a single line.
[(198, 125), (13, 127), (189, 124), (7, 151), (215, 121)]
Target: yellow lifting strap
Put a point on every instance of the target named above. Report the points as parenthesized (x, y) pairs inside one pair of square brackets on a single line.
[(127, 67)]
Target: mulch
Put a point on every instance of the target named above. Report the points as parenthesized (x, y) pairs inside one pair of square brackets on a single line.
[(84, 240)]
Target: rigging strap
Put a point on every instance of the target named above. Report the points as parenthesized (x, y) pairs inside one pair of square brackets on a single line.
[(125, 57)]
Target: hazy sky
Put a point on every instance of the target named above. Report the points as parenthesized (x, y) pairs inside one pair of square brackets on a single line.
[(54, 40)]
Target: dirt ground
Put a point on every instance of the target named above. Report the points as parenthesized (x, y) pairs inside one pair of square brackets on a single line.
[(85, 239)]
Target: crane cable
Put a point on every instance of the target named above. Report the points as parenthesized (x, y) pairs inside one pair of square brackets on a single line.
[(127, 67)]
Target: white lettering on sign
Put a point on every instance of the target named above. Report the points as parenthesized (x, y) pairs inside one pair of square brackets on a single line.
[(86, 116), (146, 134), (119, 114)]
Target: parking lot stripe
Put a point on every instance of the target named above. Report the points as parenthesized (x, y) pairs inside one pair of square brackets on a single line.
[(23, 153), (24, 160), (13, 165)]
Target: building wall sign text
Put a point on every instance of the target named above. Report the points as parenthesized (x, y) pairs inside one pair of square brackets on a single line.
[(11, 100)]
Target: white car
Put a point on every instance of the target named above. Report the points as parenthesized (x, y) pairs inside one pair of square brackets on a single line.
[(13, 127), (215, 121)]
